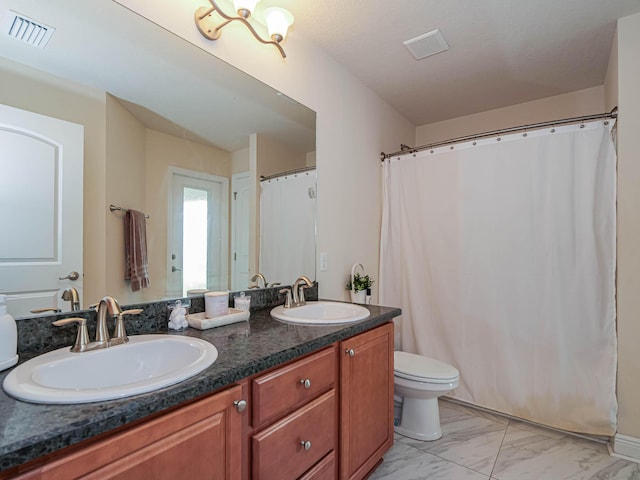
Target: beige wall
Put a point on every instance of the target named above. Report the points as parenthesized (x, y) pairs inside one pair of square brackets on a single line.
[(240, 161), (125, 181), (311, 159), (29, 89), (581, 102), (611, 77), (276, 157), (629, 226)]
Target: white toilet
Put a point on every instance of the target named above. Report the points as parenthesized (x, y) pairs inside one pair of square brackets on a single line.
[(420, 381)]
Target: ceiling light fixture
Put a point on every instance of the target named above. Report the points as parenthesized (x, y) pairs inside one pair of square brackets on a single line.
[(278, 21)]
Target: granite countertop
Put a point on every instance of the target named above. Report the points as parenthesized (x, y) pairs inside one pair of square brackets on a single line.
[(28, 431)]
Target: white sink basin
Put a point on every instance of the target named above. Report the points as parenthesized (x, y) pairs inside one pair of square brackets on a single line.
[(144, 364), (321, 313)]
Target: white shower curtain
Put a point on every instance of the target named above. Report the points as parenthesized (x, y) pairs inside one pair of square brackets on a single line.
[(288, 227), (501, 255)]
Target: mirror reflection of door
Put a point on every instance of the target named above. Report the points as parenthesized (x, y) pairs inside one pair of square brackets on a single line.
[(41, 162), (240, 231), (198, 232)]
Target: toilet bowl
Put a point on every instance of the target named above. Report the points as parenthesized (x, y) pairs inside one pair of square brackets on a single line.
[(420, 381)]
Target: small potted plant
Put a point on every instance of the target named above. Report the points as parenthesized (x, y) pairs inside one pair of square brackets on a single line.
[(359, 287)]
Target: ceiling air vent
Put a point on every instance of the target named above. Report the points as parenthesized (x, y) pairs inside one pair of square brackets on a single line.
[(427, 44), (26, 30)]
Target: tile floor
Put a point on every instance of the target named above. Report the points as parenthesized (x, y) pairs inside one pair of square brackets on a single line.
[(477, 445)]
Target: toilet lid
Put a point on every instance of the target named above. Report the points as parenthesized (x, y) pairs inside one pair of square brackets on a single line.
[(423, 369)]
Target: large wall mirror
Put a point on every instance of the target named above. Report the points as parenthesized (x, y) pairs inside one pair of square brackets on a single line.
[(216, 159)]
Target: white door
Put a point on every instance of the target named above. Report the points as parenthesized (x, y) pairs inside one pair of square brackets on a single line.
[(240, 231), (198, 232), (41, 163)]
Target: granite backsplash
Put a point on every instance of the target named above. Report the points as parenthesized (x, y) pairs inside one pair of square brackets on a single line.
[(37, 335)]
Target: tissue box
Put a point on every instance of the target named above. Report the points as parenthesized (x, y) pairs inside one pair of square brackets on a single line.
[(201, 322)]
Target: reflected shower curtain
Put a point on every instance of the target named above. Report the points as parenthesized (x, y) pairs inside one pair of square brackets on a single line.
[(501, 254), (288, 227)]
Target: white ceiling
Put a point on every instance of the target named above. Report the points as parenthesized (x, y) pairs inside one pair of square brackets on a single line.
[(502, 52)]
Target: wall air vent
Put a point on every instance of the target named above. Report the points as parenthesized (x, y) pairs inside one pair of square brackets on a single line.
[(25, 29), (427, 44)]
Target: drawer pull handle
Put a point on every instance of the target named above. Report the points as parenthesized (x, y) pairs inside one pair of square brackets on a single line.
[(351, 352), (240, 405), (306, 445), (306, 383)]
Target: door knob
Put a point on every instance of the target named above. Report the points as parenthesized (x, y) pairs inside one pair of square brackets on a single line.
[(351, 352), (174, 269), (73, 276)]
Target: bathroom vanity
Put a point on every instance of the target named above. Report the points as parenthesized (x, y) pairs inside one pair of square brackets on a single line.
[(282, 401)]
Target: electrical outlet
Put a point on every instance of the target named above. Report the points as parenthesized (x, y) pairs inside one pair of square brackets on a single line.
[(324, 262)]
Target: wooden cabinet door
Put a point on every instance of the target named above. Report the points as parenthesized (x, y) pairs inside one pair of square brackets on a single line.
[(366, 401), (199, 441)]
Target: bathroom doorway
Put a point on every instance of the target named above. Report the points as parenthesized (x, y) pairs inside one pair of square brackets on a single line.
[(240, 209), (197, 231), (41, 161)]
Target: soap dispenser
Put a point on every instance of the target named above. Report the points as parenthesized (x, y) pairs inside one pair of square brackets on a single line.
[(8, 337)]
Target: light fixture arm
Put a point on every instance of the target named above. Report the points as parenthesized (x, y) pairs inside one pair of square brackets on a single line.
[(211, 31)]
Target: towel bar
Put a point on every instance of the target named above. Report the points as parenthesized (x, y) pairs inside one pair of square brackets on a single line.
[(113, 208)]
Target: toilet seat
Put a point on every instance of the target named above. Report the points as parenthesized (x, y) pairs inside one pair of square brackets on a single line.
[(423, 369)]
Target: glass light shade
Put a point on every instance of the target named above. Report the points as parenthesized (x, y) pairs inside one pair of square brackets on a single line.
[(249, 5), (278, 21)]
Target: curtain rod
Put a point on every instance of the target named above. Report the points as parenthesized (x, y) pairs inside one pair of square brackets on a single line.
[(404, 149), (288, 172)]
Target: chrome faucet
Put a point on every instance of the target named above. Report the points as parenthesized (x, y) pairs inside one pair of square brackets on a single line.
[(107, 306), (255, 279), (71, 295), (298, 289)]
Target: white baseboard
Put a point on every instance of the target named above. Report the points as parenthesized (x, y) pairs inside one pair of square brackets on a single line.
[(626, 447)]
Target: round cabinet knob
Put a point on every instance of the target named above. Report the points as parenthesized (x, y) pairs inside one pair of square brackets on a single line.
[(306, 383), (351, 352), (306, 445), (241, 405)]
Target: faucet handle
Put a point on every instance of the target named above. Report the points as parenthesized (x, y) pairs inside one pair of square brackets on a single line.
[(120, 333), (287, 301), (82, 337), (45, 310)]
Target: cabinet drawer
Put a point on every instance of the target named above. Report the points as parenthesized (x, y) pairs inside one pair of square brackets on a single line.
[(284, 389), (325, 469), (278, 451)]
